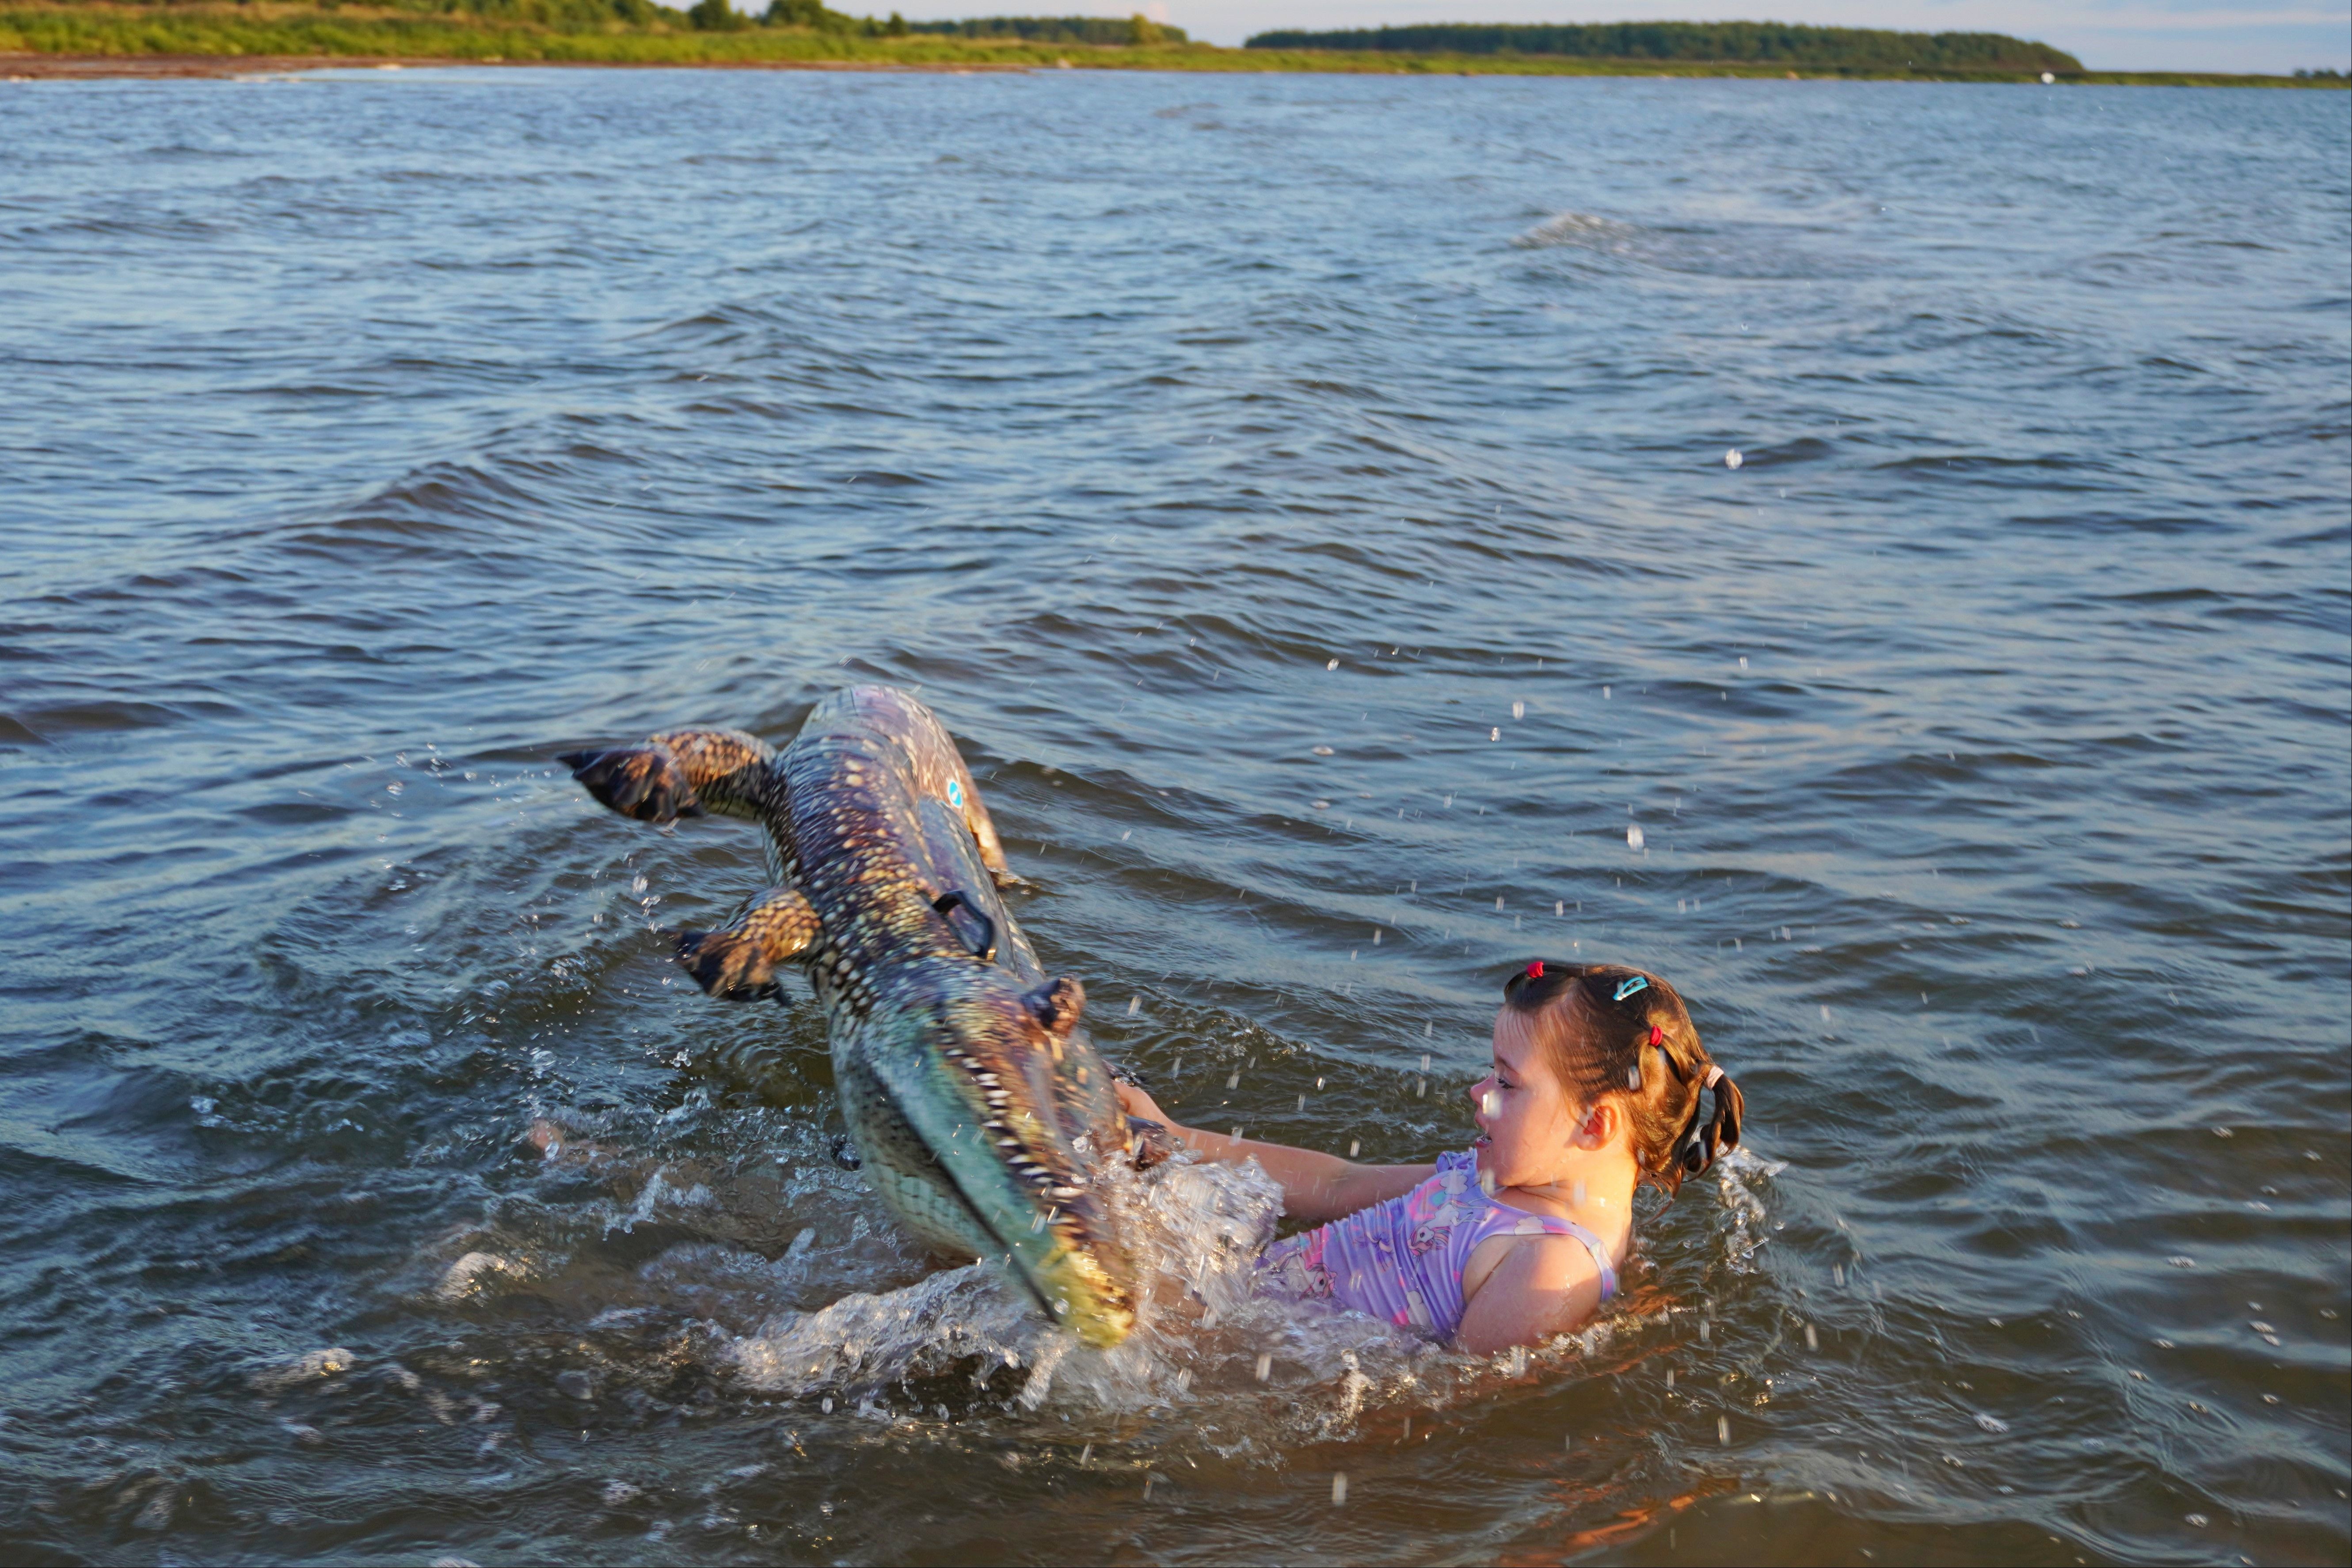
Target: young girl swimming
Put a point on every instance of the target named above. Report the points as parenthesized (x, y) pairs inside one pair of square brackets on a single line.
[(1596, 1087)]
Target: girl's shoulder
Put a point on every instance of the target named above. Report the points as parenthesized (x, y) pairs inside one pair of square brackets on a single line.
[(1521, 1287)]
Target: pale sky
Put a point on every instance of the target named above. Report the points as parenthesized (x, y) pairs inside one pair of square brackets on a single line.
[(2278, 36)]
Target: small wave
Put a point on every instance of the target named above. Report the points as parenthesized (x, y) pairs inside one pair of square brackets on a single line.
[(1587, 229)]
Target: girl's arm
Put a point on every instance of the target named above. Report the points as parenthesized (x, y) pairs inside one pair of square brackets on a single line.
[(1314, 1187)]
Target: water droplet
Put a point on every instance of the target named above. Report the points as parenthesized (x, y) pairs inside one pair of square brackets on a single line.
[(1355, 1146), (1604, 694), (1333, 665), (1743, 661), (2197, 1520), (1518, 710), (1723, 1430), (1302, 1102), (1633, 836), (826, 1405), (1085, 1453), (1339, 1488), (1264, 1365), (1812, 1340), (1670, 1377), (1134, 1006), (1733, 459), (1992, 1423), (1322, 751)]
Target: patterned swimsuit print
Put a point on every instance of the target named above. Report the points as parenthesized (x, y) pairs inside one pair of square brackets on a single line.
[(1402, 1260)]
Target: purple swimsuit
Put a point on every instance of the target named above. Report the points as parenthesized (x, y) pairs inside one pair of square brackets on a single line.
[(1402, 1260)]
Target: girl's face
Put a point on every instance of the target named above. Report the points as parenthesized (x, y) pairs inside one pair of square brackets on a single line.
[(1526, 1120)]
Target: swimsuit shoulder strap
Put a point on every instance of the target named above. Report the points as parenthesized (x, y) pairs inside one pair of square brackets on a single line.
[(1600, 1255), (1524, 1222)]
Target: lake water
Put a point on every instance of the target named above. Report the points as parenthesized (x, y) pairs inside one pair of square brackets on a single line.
[(1306, 500)]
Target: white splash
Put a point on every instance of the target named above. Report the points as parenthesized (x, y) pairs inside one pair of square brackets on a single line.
[(473, 1273), (308, 1367)]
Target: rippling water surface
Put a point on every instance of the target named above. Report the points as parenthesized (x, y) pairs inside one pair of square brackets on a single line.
[(1304, 497)]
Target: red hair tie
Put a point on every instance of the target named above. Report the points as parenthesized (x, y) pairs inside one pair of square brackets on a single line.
[(1535, 970), (1658, 1036)]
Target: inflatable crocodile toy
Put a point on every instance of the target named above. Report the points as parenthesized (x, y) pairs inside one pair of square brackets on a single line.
[(978, 1107)]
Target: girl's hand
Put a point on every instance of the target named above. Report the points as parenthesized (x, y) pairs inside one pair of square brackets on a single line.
[(1137, 1104)]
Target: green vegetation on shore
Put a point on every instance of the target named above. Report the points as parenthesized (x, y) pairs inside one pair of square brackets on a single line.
[(806, 33), (1709, 42), (1137, 30)]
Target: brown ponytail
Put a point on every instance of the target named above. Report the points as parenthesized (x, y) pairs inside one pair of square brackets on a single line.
[(1609, 1030)]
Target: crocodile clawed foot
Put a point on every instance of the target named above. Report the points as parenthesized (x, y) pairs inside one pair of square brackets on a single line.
[(729, 965), (643, 781), (1150, 1143)]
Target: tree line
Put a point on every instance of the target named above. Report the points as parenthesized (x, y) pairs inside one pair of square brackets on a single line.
[(1133, 31), (1745, 43), (721, 16)]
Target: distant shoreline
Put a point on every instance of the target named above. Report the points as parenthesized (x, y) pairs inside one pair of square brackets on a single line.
[(133, 65), (156, 68)]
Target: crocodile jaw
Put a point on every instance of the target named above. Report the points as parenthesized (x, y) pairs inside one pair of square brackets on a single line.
[(952, 1103)]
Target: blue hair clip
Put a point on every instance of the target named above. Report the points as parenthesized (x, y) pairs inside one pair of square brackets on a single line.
[(1628, 987)]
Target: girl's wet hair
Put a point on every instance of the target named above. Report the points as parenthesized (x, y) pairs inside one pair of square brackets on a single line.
[(1608, 1029)]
